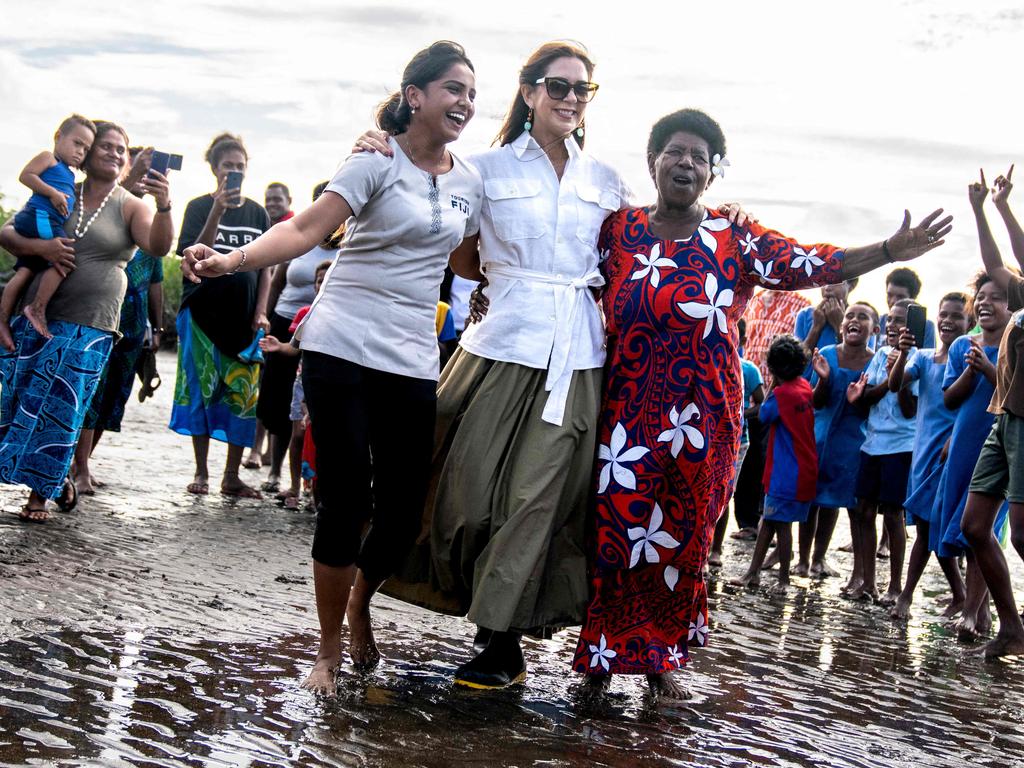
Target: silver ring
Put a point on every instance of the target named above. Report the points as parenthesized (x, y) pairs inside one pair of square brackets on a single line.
[(931, 239)]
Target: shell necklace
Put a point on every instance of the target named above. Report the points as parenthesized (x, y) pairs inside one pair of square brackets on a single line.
[(79, 231)]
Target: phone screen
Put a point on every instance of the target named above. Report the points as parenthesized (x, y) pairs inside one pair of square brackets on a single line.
[(160, 162), (234, 180)]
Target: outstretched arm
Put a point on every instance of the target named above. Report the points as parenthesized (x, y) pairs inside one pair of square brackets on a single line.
[(908, 243), (990, 256), (280, 243), (1001, 199)]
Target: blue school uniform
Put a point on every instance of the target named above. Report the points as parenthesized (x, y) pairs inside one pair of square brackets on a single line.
[(839, 433), (970, 428), (934, 425), (887, 430)]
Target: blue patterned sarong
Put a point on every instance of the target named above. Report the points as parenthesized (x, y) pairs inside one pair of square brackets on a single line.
[(47, 385)]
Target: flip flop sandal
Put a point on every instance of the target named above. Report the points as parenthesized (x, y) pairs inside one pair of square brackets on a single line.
[(25, 514), (68, 499), (291, 502)]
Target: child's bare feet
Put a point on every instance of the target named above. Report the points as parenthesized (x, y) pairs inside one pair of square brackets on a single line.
[(748, 579), (84, 483), (667, 687), (715, 558), (863, 592), (1012, 645), (361, 645), (6, 340), (781, 587), (820, 569), (321, 677), (890, 597), (771, 561), (967, 630), (802, 569), (851, 585), (901, 608), (954, 607), (37, 319)]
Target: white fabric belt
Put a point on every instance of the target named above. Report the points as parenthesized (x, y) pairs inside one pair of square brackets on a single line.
[(570, 295)]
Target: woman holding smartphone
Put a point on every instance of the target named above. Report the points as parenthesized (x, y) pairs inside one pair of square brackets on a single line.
[(369, 344), (215, 393)]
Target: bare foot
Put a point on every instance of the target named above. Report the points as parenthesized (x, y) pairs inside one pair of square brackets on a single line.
[(853, 584), (596, 686), (1003, 646), (863, 592), (232, 485), (883, 552), (361, 645), (846, 547), (802, 569), (954, 607), (200, 485), (6, 340), (714, 560), (772, 560), (890, 597), (966, 629), (781, 588), (37, 319), (252, 461), (822, 570), (901, 608), (84, 484), (666, 687), (748, 579), (321, 677)]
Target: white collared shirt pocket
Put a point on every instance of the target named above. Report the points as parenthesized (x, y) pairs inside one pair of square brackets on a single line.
[(516, 208), (595, 205)]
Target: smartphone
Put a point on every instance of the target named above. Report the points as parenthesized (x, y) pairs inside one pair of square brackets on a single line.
[(233, 182), (162, 162), (917, 322)]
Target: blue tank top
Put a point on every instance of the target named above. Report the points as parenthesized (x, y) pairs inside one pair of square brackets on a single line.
[(61, 178)]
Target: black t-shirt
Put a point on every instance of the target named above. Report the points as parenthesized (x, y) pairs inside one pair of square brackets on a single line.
[(223, 306)]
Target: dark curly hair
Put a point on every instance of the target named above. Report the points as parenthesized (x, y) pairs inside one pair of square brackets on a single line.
[(907, 278), (221, 144), (688, 121), (787, 358)]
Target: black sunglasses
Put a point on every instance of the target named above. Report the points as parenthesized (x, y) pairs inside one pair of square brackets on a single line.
[(558, 88)]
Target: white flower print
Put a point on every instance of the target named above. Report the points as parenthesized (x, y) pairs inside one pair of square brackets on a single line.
[(709, 225), (764, 271), (676, 655), (616, 457), (651, 264), (671, 577), (749, 243), (715, 310), (601, 654), (718, 165), (698, 630), (646, 538), (806, 259), (681, 430)]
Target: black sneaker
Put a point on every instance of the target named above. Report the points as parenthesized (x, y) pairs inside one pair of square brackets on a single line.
[(496, 666)]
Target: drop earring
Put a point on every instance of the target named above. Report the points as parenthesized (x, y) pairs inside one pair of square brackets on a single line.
[(529, 121), (580, 131)]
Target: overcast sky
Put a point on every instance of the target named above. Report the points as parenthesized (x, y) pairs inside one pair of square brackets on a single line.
[(837, 115)]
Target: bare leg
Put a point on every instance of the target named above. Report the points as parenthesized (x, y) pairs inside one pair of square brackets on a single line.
[(278, 449), (361, 645), (857, 575), (254, 459), (915, 568), (784, 532), (957, 588), (715, 557), (806, 541), (332, 586), (752, 577), (232, 484), (295, 456), (979, 517), (96, 435), (83, 449), (883, 545), (893, 520), (35, 312), (977, 595), (8, 300), (201, 449), (868, 542), (822, 539)]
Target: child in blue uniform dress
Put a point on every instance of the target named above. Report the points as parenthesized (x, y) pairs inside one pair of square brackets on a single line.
[(969, 383), (934, 426), (52, 182), (838, 432), (791, 468)]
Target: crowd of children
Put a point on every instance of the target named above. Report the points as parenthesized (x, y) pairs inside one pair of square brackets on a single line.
[(922, 434)]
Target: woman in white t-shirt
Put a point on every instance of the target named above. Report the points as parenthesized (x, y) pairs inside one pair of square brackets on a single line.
[(369, 347)]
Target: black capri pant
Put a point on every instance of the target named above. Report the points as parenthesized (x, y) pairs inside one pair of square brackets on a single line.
[(374, 434)]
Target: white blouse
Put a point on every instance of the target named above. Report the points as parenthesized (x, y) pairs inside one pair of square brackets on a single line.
[(538, 249)]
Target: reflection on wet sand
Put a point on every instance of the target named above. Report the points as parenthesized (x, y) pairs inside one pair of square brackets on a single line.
[(153, 629)]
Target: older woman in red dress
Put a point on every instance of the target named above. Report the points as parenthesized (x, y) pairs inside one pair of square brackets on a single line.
[(679, 277)]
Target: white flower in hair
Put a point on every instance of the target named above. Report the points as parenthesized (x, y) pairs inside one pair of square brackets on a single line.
[(718, 165)]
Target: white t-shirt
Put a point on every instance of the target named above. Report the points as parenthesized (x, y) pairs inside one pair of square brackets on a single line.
[(531, 221), (379, 300), (300, 281)]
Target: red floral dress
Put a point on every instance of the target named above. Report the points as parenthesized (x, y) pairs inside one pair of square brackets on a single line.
[(670, 425)]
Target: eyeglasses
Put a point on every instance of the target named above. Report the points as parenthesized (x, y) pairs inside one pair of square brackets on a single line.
[(558, 88)]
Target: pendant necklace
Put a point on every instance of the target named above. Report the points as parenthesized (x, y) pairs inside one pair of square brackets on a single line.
[(79, 231), (433, 193)]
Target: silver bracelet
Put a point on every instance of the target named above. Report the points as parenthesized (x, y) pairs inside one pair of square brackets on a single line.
[(244, 257)]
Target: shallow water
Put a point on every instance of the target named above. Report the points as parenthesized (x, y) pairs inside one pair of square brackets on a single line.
[(150, 628)]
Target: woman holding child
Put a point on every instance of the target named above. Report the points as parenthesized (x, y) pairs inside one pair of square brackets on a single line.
[(47, 383)]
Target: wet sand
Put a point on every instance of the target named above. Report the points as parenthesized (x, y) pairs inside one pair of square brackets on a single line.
[(151, 627)]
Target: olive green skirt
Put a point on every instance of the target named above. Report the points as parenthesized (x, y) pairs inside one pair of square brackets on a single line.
[(504, 524)]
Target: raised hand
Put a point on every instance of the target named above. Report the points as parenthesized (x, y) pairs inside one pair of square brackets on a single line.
[(856, 389), (820, 365), (199, 261), (977, 192), (1002, 187), (910, 242), (907, 341), (155, 183)]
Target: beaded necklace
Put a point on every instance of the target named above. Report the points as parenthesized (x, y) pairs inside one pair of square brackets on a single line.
[(79, 232)]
